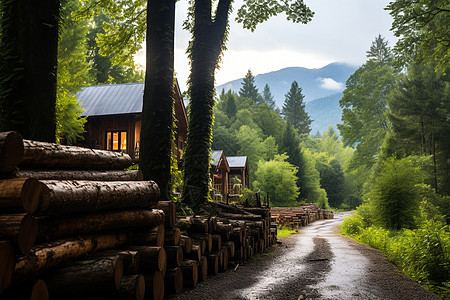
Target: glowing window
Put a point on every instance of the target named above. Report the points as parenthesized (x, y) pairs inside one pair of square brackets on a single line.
[(116, 141)]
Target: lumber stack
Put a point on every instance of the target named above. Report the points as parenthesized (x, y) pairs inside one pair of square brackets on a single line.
[(74, 223), (295, 217)]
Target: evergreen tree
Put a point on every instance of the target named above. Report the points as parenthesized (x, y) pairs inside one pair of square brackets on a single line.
[(229, 104), (249, 89), (294, 110), (268, 97), (364, 105)]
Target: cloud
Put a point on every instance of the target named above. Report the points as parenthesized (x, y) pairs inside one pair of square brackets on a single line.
[(331, 84)]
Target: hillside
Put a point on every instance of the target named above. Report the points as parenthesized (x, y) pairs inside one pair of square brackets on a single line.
[(325, 112), (316, 83)]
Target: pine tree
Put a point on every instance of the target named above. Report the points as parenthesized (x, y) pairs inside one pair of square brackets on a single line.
[(294, 110), (249, 89), (268, 97)]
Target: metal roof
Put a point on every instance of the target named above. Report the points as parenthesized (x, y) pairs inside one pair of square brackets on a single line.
[(111, 99), (215, 157), (237, 161)]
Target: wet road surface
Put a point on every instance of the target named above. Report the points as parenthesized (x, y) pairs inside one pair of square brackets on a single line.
[(317, 263)]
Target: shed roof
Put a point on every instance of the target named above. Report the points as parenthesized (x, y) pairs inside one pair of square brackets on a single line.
[(215, 157), (111, 99), (237, 161)]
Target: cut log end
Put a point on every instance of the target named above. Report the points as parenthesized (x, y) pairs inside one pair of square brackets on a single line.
[(39, 291), (11, 150), (27, 233), (7, 263)]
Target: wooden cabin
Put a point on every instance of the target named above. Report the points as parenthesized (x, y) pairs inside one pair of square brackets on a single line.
[(219, 174), (238, 170), (114, 117)]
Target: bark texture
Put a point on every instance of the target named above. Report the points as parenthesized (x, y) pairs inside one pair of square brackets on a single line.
[(11, 151), (97, 175)]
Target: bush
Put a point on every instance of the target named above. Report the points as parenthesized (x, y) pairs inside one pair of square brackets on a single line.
[(352, 225)]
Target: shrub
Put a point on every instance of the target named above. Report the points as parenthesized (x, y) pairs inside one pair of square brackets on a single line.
[(352, 225)]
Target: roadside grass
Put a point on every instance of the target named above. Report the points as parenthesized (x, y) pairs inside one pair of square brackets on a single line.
[(285, 232)]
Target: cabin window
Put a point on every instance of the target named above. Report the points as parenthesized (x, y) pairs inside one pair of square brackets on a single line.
[(116, 141)]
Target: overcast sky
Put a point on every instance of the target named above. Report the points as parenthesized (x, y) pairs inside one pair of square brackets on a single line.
[(341, 30)]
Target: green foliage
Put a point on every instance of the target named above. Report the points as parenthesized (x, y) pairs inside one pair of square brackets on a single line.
[(277, 179), (309, 182), (294, 110), (352, 225), (285, 232), (332, 180), (422, 28), (364, 105), (267, 97), (394, 193)]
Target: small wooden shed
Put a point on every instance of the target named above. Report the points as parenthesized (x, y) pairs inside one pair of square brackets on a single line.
[(114, 117), (239, 169), (219, 174)]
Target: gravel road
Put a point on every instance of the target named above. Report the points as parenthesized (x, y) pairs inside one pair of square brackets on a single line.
[(317, 263)]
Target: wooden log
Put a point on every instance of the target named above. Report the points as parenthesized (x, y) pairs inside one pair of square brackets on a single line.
[(52, 254), (199, 225), (213, 222), (213, 263), (206, 237), (184, 223), (35, 289), (224, 266), (130, 259), (11, 151), (88, 276), (203, 268), (216, 242), (249, 217), (173, 281), (96, 175), (152, 259), (199, 245), (132, 288), (170, 210), (52, 156), (21, 229), (231, 248), (236, 235), (54, 227), (195, 254), (186, 244), (190, 273), (224, 230), (71, 196), (19, 195), (172, 237), (154, 286), (152, 236), (174, 256), (7, 263)]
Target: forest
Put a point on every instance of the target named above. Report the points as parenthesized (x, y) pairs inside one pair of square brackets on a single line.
[(389, 158)]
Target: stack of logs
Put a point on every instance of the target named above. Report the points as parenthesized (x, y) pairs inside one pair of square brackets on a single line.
[(74, 225), (295, 217)]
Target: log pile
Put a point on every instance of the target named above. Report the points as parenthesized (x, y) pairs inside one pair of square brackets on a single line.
[(295, 217), (74, 224)]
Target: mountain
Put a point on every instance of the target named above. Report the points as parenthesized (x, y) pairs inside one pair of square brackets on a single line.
[(316, 83), (324, 112)]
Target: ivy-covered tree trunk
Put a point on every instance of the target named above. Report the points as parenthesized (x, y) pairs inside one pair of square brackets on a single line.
[(208, 37), (157, 109), (28, 60)]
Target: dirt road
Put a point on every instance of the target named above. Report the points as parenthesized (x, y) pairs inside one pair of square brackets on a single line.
[(317, 263)]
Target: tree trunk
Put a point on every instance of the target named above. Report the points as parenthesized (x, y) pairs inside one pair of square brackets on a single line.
[(206, 48), (132, 288), (11, 151), (170, 210), (154, 286), (149, 236), (7, 263), (152, 259), (157, 109), (53, 156), (30, 290), (190, 272), (28, 60), (90, 276), (21, 229), (173, 281), (130, 260), (20, 195), (51, 228), (114, 175), (49, 255), (62, 197), (174, 256)]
